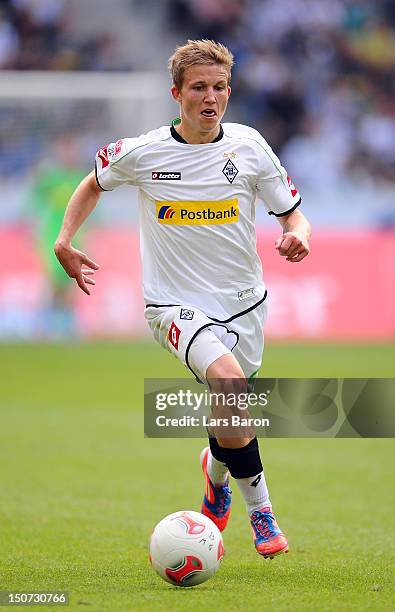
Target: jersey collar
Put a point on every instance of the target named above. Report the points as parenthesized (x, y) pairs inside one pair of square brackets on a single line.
[(179, 138)]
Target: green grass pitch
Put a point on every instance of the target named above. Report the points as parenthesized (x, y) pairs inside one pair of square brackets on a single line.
[(81, 488)]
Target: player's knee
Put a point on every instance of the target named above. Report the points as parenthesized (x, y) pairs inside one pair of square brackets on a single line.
[(225, 376), (225, 367)]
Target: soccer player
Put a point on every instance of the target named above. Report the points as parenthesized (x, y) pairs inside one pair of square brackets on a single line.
[(205, 298)]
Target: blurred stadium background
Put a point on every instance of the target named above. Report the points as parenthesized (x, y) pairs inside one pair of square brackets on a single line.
[(315, 77)]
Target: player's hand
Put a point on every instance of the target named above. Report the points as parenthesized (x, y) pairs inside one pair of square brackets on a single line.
[(292, 246), (77, 265)]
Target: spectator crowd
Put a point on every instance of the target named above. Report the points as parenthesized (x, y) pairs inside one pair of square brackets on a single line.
[(316, 77), (38, 35)]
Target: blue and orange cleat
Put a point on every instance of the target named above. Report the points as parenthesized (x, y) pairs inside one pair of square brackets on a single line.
[(269, 540), (217, 499)]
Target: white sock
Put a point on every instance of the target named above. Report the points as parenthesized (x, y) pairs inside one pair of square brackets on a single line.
[(216, 470), (255, 493)]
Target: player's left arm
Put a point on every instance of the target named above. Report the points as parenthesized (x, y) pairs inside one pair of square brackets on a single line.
[(294, 243)]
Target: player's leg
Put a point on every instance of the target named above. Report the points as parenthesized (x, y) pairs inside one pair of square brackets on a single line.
[(241, 454), (187, 333), (233, 449), (207, 348), (194, 342)]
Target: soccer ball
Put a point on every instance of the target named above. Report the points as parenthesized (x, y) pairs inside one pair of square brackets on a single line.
[(186, 548)]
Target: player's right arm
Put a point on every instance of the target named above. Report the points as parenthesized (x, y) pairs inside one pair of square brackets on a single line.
[(81, 204), (114, 166)]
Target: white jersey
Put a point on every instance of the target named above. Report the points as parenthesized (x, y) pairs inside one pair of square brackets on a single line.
[(197, 212)]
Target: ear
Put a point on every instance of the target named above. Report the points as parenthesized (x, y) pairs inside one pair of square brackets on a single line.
[(229, 90), (176, 93)]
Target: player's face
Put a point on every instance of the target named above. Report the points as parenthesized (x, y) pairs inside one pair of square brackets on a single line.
[(203, 97)]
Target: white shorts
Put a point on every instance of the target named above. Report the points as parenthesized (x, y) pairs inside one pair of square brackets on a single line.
[(198, 340)]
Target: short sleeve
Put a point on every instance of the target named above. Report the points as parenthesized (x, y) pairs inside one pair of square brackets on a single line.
[(279, 194), (115, 164)]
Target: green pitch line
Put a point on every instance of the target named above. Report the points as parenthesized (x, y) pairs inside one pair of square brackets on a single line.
[(81, 489)]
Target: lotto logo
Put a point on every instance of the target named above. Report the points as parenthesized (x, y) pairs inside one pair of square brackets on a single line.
[(166, 176), (174, 335)]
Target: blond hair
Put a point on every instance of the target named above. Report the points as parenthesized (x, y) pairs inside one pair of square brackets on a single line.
[(198, 52)]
